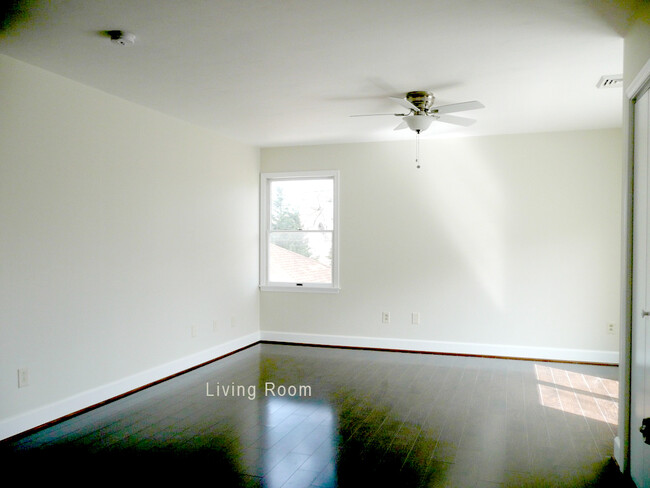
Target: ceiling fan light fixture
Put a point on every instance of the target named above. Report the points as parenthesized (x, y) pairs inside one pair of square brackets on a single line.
[(418, 123)]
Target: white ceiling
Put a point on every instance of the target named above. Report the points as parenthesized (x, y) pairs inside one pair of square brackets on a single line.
[(292, 72)]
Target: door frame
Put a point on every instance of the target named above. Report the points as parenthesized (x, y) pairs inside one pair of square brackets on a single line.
[(622, 442)]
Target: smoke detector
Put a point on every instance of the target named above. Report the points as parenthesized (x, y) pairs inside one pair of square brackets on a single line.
[(121, 38), (610, 81)]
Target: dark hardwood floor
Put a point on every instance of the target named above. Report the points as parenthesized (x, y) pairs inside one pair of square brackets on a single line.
[(296, 416)]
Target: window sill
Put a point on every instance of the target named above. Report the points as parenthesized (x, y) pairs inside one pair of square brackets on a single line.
[(299, 289)]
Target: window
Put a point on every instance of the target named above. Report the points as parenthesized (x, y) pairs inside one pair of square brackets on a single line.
[(299, 231)]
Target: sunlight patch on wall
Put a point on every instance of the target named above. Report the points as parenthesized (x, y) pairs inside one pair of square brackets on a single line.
[(579, 394), (470, 202)]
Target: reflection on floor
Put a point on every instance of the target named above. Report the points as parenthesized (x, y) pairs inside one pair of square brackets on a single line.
[(295, 416)]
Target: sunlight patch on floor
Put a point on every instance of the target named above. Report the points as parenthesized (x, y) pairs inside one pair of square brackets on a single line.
[(580, 394)]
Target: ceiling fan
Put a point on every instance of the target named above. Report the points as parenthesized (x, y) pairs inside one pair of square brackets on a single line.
[(422, 111)]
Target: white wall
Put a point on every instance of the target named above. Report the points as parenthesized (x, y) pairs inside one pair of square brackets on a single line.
[(505, 244), (120, 230)]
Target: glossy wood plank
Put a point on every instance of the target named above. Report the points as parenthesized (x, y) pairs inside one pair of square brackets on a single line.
[(372, 418)]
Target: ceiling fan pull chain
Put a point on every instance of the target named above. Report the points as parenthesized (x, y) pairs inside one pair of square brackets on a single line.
[(417, 149)]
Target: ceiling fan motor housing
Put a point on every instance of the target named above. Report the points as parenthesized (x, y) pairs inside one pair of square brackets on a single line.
[(423, 100)]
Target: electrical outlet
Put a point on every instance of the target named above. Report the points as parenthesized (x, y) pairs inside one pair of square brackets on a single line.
[(415, 318), (385, 317), (194, 331), (23, 377), (215, 326), (233, 321), (611, 328)]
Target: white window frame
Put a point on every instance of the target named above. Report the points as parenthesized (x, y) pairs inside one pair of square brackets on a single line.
[(265, 220)]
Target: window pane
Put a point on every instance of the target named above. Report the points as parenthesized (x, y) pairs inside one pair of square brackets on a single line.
[(300, 257), (305, 204)]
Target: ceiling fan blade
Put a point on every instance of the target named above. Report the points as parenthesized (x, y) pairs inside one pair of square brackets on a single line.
[(453, 119), (373, 115), (402, 125), (457, 107), (404, 103)]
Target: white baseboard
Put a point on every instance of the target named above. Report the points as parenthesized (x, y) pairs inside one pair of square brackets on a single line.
[(48, 413), (506, 351)]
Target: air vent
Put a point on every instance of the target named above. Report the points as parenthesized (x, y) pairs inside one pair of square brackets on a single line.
[(610, 81)]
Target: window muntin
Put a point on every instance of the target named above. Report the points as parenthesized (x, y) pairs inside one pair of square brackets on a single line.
[(299, 236)]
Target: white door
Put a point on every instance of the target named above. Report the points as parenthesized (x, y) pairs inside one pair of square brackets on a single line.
[(640, 373)]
